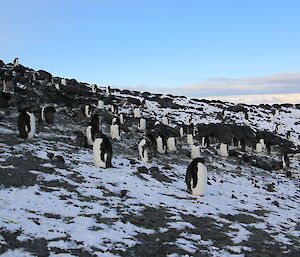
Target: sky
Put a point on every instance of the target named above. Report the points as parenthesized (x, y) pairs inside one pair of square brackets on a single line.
[(195, 48)]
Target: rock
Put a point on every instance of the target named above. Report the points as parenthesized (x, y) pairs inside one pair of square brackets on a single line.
[(44, 75), (123, 193), (271, 187), (233, 196), (275, 203), (132, 161), (142, 169)]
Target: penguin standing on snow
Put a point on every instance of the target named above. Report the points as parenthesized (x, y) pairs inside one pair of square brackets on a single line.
[(115, 129), (26, 124), (195, 151), (223, 151), (142, 124), (114, 109), (285, 161), (100, 105), (196, 177), (16, 62), (102, 151), (92, 129), (87, 112), (161, 144), (145, 150), (94, 88), (121, 118), (171, 144), (137, 113), (47, 114), (165, 121)]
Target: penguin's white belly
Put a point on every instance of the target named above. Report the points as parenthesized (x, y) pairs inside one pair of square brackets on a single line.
[(43, 114), (97, 154), (87, 111), (32, 125), (165, 121), (189, 139), (143, 154), (259, 148), (201, 182), (88, 133), (223, 150), (181, 132), (142, 125), (171, 144), (137, 113), (114, 132), (160, 147), (121, 119), (195, 152), (100, 104)]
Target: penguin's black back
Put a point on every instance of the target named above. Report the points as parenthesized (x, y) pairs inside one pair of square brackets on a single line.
[(106, 148), (191, 172), (23, 122)]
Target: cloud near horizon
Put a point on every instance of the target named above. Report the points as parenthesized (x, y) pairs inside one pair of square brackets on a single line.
[(284, 83)]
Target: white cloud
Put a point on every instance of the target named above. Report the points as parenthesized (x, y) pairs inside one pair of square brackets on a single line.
[(260, 99), (274, 84)]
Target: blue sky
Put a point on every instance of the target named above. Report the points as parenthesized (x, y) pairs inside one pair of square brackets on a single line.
[(176, 46)]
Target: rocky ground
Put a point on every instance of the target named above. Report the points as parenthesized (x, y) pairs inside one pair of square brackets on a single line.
[(68, 207)]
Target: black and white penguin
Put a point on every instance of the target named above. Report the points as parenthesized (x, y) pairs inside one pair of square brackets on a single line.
[(223, 151), (137, 113), (47, 114), (289, 135), (122, 118), (142, 124), (190, 139), (165, 121), (145, 150), (16, 62), (114, 109), (261, 146), (153, 142), (115, 129), (26, 124), (181, 131), (87, 112), (102, 151), (171, 144), (196, 177), (242, 144), (188, 121), (195, 151), (276, 129), (285, 161), (108, 91), (205, 142), (161, 144), (100, 105), (92, 129), (94, 88), (63, 81)]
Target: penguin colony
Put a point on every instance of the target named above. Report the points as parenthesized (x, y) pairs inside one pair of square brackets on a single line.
[(159, 140)]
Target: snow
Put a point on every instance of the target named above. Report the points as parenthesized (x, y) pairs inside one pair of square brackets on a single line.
[(86, 210)]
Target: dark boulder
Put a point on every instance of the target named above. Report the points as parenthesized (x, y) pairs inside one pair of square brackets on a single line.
[(4, 100), (44, 75)]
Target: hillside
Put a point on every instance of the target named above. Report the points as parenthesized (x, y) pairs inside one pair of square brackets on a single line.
[(65, 206)]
